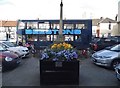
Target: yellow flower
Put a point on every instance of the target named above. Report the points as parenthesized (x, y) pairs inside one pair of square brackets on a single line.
[(58, 46), (54, 46), (69, 46), (61, 46)]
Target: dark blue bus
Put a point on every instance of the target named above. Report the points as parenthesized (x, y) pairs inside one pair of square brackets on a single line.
[(44, 32)]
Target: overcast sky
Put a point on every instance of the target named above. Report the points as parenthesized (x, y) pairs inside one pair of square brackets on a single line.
[(50, 9)]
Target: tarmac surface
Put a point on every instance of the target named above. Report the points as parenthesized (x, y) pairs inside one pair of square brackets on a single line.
[(27, 74)]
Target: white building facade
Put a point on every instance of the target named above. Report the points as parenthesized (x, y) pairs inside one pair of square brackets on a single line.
[(106, 30), (8, 31), (119, 18), (104, 27), (119, 11)]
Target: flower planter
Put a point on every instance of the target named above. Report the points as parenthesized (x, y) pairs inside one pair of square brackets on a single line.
[(59, 72)]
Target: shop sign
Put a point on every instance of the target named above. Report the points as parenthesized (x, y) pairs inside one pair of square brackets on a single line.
[(55, 31)]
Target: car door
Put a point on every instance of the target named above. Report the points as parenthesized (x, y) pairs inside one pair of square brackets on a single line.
[(109, 42), (100, 44), (4, 46)]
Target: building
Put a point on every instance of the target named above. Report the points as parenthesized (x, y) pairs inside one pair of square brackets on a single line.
[(95, 26), (119, 11), (100, 27), (119, 18), (8, 30), (104, 27)]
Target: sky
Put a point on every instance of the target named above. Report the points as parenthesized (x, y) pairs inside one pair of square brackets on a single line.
[(50, 9)]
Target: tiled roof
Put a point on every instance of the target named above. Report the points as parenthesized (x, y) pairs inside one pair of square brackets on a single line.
[(107, 20), (8, 23), (95, 22)]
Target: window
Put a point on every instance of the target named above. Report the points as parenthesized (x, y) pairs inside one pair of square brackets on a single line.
[(109, 26), (9, 44), (68, 37), (117, 47), (68, 26), (81, 26), (2, 47), (109, 35)]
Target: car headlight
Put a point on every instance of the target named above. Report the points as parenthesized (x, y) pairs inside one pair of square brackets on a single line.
[(23, 50), (8, 59)]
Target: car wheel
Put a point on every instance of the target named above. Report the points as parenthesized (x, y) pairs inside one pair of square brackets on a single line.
[(115, 63), (118, 79), (3, 69)]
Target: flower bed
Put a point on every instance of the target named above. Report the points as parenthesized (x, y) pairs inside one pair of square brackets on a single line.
[(59, 65), (60, 52)]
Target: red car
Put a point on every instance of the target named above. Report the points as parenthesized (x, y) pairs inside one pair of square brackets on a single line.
[(101, 43), (8, 59)]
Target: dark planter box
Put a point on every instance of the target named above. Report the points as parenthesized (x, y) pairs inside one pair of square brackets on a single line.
[(59, 73)]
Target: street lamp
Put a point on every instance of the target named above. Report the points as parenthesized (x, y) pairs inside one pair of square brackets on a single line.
[(60, 37), (17, 26)]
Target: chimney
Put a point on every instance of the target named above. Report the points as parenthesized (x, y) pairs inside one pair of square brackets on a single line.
[(101, 18)]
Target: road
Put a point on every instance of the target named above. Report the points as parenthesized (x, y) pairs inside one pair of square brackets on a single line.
[(0, 79), (27, 74)]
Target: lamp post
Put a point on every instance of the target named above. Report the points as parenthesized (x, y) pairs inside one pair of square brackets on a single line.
[(60, 37), (17, 27)]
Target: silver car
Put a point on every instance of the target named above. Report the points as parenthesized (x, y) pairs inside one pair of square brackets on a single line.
[(117, 70), (107, 57), (20, 50)]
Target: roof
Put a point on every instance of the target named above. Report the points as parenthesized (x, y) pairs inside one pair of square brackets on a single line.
[(118, 22), (57, 21), (95, 22), (108, 20), (8, 23)]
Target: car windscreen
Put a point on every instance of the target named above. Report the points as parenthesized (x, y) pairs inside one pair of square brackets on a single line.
[(2, 48), (95, 40), (116, 48), (9, 44), (116, 39)]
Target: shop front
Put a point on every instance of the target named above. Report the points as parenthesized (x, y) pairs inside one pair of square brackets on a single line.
[(44, 32)]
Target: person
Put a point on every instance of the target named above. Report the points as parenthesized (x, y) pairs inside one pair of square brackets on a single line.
[(33, 51), (28, 45)]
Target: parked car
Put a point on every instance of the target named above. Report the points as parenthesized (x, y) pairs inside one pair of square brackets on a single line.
[(117, 70), (8, 59), (20, 50), (108, 57), (100, 43), (116, 38)]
